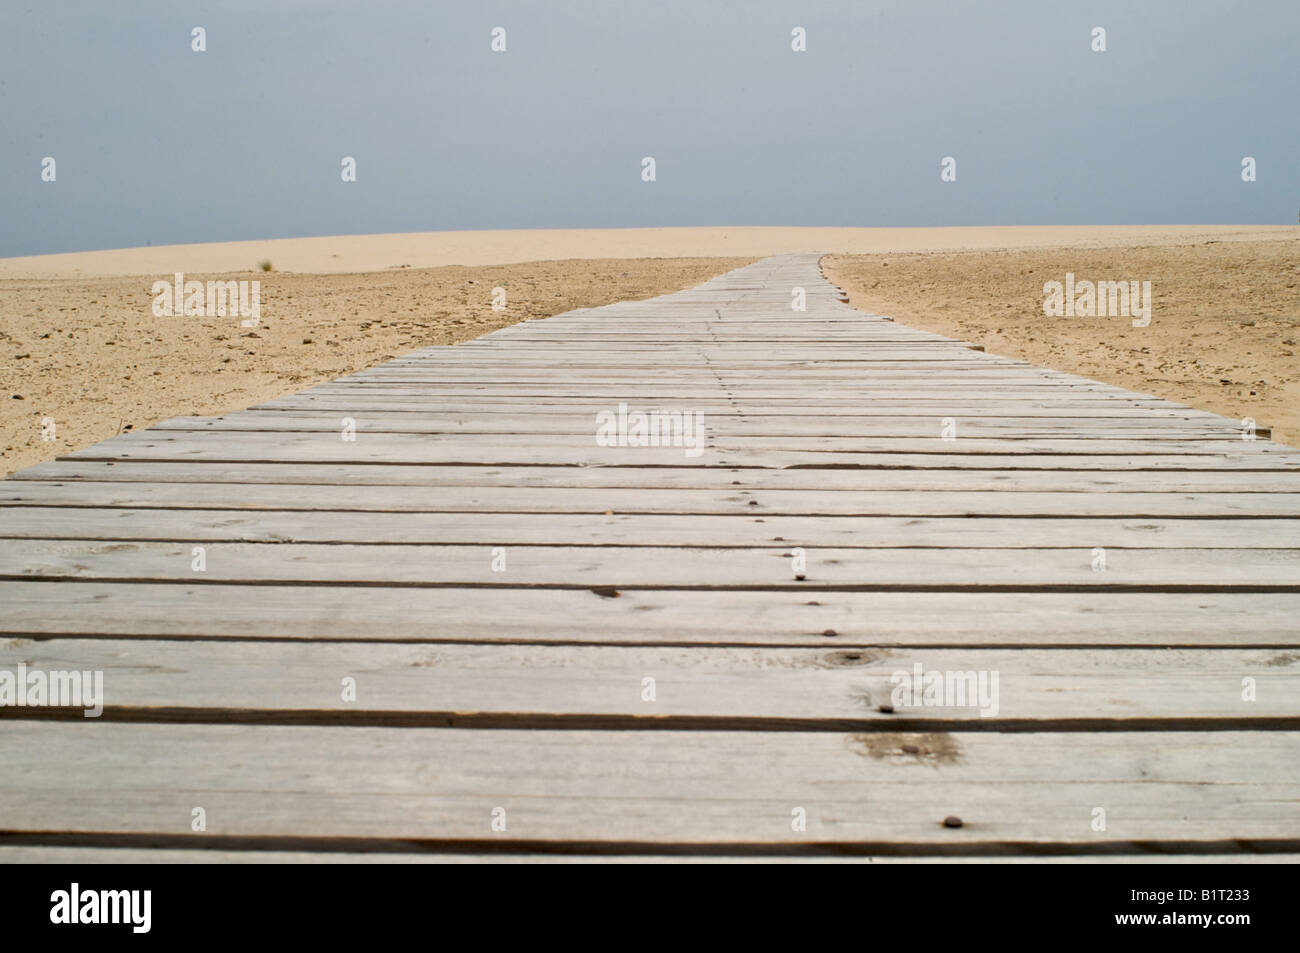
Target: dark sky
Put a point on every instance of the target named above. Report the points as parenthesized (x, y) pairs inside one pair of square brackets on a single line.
[(156, 143)]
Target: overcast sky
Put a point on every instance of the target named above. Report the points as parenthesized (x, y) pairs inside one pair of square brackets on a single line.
[(155, 143)]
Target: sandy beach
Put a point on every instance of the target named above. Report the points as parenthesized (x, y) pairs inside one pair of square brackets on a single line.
[(82, 347), (1224, 321)]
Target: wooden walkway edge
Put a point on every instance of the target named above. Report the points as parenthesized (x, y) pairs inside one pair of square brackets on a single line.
[(902, 601)]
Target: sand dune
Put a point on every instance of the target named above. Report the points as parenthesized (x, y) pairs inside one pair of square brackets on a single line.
[(354, 253)]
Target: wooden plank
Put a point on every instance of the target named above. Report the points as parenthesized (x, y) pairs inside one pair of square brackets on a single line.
[(692, 787), (738, 460), (756, 503), (841, 412), (689, 362), (857, 384), (750, 478), (584, 425), (755, 688), (971, 373), (583, 449), (642, 529), (646, 616), (627, 567), (202, 855), (820, 405)]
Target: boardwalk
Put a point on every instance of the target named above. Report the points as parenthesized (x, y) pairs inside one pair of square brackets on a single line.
[(422, 613)]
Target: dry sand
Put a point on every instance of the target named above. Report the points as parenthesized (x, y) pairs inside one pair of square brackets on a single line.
[(352, 253), (90, 354), (1225, 317)]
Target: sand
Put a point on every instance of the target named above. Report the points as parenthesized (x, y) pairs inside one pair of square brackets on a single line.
[(352, 253), (89, 353), (1225, 317)]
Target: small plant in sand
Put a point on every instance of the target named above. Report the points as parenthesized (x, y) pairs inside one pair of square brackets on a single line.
[(264, 264)]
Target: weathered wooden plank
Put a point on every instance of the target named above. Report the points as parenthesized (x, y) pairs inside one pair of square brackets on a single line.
[(750, 478), (970, 373), (738, 460), (756, 503), (693, 787), (819, 404), (754, 688), (710, 447), (689, 363), (1040, 411), (584, 425), (1015, 389), (643, 529), (648, 616), (489, 564), (416, 855)]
